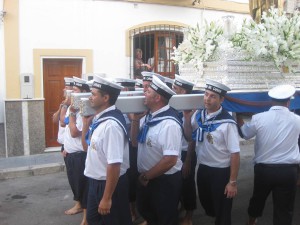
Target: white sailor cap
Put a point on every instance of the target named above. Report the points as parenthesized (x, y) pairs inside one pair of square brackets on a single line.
[(162, 78), (179, 81), (147, 76), (161, 88), (106, 85), (125, 82), (78, 82), (68, 81), (216, 87), (169, 82), (138, 83), (282, 92), (90, 83)]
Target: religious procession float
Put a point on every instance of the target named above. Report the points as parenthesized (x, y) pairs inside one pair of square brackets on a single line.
[(250, 58)]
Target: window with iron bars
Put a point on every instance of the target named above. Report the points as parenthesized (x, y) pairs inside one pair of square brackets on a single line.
[(152, 47)]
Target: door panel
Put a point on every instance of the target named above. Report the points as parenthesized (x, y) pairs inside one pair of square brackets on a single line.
[(164, 45), (156, 43), (54, 71)]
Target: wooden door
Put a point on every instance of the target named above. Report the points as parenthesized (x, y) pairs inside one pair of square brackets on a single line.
[(164, 43), (54, 71)]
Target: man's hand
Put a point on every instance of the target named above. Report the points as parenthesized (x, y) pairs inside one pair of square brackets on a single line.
[(72, 109), (67, 101), (64, 153), (231, 190), (104, 206), (143, 179), (239, 119)]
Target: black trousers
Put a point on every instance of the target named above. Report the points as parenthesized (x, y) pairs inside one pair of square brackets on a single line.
[(211, 183), (132, 173), (281, 180), (119, 212), (188, 192), (158, 201), (75, 165), (61, 150)]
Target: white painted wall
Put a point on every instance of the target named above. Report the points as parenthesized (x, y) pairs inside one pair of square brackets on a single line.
[(88, 24), (97, 25)]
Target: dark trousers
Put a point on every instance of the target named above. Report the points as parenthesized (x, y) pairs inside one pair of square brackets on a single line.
[(132, 173), (281, 181), (61, 150), (75, 165), (211, 183), (158, 201), (188, 192), (119, 212)]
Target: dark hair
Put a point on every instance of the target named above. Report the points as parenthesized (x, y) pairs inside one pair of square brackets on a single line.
[(188, 91), (112, 96), (281, 102), (85, 87), (164, 99)]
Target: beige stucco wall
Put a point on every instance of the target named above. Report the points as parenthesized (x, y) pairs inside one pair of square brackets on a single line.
[(12, 48)]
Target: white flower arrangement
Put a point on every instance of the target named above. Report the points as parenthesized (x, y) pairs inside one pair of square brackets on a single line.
[(276, 38), (199, 44)]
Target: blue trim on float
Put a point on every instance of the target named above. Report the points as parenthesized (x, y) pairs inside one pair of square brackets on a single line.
[(253, 102)]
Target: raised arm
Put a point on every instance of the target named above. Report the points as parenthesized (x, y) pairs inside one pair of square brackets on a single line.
[(187, 124), (135, 127), (63, 111), (86, 122), (75, 132), (56, 115)]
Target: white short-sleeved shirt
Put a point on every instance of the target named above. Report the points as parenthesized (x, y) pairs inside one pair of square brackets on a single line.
[(60, 134), (277, 132), (165, 138), (108, 145), (61, 130), (71, 144), (225, 142)]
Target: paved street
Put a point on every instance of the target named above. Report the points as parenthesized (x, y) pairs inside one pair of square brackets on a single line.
[(41, 200)]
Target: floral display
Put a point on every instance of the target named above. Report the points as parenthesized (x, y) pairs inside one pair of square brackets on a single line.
[(199, 44), (276, 38)]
